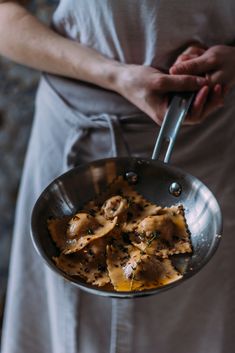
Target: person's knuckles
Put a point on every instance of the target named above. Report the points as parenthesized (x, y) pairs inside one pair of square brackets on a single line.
[(180, 58), (188, 83), (196, 66), (169, 83), (186, 67), (163, 83), (194, 82), (218, 77), (173, 70), (185, 57), (213, 60)]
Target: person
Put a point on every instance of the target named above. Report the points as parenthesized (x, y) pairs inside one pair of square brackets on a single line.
[(109, 69)]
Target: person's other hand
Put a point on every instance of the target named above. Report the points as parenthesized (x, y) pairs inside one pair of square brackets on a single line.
[(191, 52), (217, 65), (148, 88)]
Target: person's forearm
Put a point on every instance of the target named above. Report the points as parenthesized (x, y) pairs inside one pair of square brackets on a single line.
[(27, 41)]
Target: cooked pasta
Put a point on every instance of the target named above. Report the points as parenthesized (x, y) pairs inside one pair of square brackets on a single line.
[(121, 240)]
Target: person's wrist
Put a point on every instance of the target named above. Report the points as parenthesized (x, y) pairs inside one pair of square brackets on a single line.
[(115, 74), (91, 66)]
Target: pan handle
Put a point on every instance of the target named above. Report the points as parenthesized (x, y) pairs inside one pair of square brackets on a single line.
[(173, 119)]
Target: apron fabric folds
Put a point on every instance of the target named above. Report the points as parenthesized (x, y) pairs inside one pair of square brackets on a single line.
[(47, 314), (61, 139)]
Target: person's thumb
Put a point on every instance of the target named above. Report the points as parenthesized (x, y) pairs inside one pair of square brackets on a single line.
[(180, 83)]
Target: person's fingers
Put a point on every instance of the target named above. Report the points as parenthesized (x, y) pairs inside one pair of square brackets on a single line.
[(198, 105), (194, 50), (200, 100), (179, 83), (196, 66), (218, 96), (184, 57), (215, 101), (206, 102), (226, 89), (190, 53), (217, 90), (218, 76)]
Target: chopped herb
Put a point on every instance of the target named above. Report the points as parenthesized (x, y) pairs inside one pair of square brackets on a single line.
[(101, 268), (129, 216), (130, 202), (125, 258), (140, 207), (90, 231), (140, 235), (175, 237), (91, 212), (154, 235), (126, 238), (121, 247), (166, 242)]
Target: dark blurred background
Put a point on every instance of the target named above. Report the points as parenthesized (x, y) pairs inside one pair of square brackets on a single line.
[(17, 91)]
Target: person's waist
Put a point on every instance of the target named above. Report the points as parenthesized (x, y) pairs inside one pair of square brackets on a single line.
[(88, 98)]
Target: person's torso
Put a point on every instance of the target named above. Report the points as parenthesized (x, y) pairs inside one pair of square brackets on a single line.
[(149, 32)]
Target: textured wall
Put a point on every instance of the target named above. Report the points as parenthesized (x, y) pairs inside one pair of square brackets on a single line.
[(17, 90)]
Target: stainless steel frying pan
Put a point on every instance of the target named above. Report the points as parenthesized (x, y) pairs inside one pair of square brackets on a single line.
[(156, 180)]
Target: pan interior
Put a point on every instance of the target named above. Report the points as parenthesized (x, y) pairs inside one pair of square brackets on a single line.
[(67, 194)]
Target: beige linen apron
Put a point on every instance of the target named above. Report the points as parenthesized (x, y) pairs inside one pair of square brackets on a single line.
[(76, 122)]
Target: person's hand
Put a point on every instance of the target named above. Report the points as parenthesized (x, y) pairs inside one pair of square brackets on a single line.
[(217, 65), (148, 88), (191, 52)]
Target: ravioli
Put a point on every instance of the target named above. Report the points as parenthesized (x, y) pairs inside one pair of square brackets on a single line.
[(167, 231), (134, 206), (76, 244), (82, 264), (121, 239), (57, 228), (139, 271), (72, 234)]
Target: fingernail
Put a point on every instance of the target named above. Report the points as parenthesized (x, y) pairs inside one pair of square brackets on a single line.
[(201, 81), (177, 66), (172, 69)]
